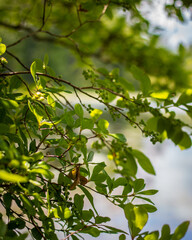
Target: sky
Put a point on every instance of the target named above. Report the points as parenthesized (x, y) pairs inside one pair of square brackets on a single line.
[(174, 31)]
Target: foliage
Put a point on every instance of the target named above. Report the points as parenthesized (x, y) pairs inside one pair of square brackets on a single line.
[(47, 143)]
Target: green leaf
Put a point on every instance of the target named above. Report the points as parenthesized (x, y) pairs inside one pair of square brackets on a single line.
[(11, 177), (126, 84), (143, 78), (137, 217), (103, 125), (8, 103), (130, 164), (37, 156), (103, 71), (46, 60), (4, 128), (36, 234), (78, 201), (90, 156), (67, 213), (89, 196), (79, 110), (185, 98), (32, 146), (165, 233), (99, 178), (185, 142), (2, 48), (152, 123), (87, 124), (45, 172), (100, 219), (122, 237), (160, 95), (19, 223), (152, 236), (35, 111), (149, 208), (119, 136), (97, 169), (74, 237), (146, 199), (96, 113), (7, 200), (120, 182), (87, 214), (69, 119), (94, 232), (144, 162), (33, 70), (55, 89), (139, 184), (15, 83), (28, 205), (51, 101), (148, 192), (115, 230), (180, 231), (3, 229)]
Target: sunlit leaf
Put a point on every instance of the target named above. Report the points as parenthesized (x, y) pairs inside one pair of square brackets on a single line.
[(96, 113), (51, 101), (152, 236), (67, 213), (137, 217), (103, 125), (11, 177), (35, 111), (33, 70), (118, 136), (2, 48), (47, 173), (160, 95)]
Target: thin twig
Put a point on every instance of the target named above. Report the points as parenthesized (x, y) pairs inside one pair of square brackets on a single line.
[(16, 58)]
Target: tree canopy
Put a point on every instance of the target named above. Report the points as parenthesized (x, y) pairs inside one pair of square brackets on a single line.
[(49, 133)]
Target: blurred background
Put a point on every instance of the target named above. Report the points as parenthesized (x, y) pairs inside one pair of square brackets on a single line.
[(163, 49)]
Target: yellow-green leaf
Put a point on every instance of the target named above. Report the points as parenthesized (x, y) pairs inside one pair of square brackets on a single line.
[(67, 213), (33, 70), (10, 177), (160, 95), (137, 217), (152, 236), (2, 48), (96, 113)]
